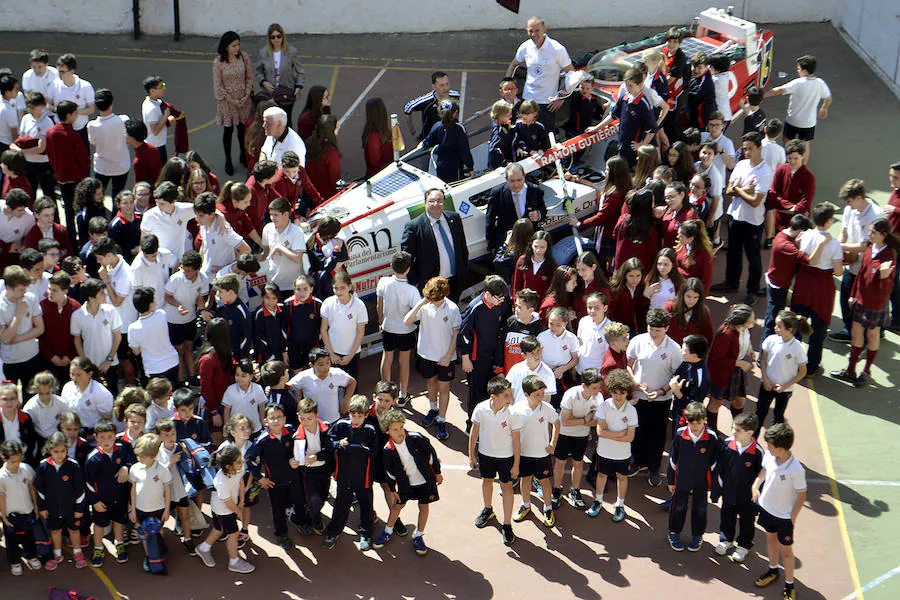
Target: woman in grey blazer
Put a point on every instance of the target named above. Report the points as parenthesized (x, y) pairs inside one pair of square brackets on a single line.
[(279, 73)]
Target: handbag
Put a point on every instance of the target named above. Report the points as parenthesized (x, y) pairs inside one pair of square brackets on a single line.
[(284, 95), (198, 521)]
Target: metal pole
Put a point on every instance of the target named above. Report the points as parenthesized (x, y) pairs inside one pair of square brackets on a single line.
[(136, 15), (177, 8)]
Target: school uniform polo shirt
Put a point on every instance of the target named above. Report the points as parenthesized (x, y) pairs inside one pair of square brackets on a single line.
[(36, 128), (225, 487), (282, 270), (725, 145), (152, 114), (185, 292), (716, 187), (856, 224), (592, 343), (12, 228), (96, 332), (149, 485), (436, 324), (23, 351), (743, 175), (164, 458), (150, 335), (654, 365), (807, 242), (326, 392), (773, 153), (121, 280), (783, 359), (343, 320), (81, 92), (45, 416), (94, 403), (154, 274), (246, 402), (617, 419), (218, 248), (558, 350), (11, 428), (783, 483), (398, 297), (310, 445), (535, 432), (9, 120), (107, 135), (580, 406), (170, 229), (33, 83), (14, 487), (156, 413), (520, 371), (495, 429)]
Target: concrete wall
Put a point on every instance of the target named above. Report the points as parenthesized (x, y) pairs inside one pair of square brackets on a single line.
[(212, 17), (872, 29)]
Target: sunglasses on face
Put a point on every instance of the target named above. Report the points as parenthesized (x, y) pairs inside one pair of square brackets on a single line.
[(277, 36)]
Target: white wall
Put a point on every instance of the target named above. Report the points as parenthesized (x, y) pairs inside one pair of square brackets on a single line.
[(212, 17), (872, 29)]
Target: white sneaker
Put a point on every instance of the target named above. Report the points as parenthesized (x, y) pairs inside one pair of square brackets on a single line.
[(206, 557), (16, 569), (740, 554), (33, 564), (723, 548), (241, 566)]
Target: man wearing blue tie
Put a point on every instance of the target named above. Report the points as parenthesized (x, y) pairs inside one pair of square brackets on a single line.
[(511, 201), (437, 243)]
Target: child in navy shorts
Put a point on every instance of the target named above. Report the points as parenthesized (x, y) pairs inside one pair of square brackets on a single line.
[(576, 419), (538, 419)]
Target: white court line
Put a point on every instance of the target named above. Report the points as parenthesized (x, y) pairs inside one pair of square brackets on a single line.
[(359, 98), (462, 94), (877, 581), (856, 482)]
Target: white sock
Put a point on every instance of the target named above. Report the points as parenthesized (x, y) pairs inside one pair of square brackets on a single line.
[(388, 530), (75, 551), (598, 496), (433, 405), (204, 547), (620, 501), (233, 561), (526, 505), (440, 419), (57, 552), (418, 533), (547, 509)]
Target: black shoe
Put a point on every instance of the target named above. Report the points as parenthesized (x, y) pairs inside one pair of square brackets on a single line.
[(768, 244), (820, 370), (484, 517), (402, 400), (654, 480), (555, 497), (750, 300), (229, 168), (723, 287), (840, 336), (400, 528), (844, 375), (862, 380), (508, 536)]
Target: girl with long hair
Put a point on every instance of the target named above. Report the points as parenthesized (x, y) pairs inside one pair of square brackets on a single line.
[(663, 279), (693, 252), (647, 161), (318, 103), (88, 204), (629, 303), (195, 161), (635, 233), (611, 203), (535, 268), (517, 241), (731, 356), (378, 150), (560, 293), (689, 312), (232, 86), (453, 156), (593, 279), (323, 157), (216, 369), (682, 162)]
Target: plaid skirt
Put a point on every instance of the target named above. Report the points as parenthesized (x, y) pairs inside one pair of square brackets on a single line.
[(736, 388), (870, 318)]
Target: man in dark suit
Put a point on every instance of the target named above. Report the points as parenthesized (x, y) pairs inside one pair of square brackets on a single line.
[(437, 243), (511, 201)]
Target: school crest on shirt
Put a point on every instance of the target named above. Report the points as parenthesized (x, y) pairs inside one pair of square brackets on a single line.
[(179, 222), (503, 424), (27, 314), (748, 464), (330, 386), (702, 450), (663, 355), (212, 242), (230, 322), (253, 401), (65, 477), (15, 231), (789, 356), (312, 316), (156, 478), (446, 318), (87, 403), (193, 436), (350, 317), (566, 347), (783, 477), (105, 322), (624, 419), (118, 460)]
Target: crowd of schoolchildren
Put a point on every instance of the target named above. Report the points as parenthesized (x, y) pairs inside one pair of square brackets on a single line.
[(609, 357)]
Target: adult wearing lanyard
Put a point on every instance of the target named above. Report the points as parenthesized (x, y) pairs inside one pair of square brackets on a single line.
[(71, 87), (278, 71), (280, 138), (545, 59)]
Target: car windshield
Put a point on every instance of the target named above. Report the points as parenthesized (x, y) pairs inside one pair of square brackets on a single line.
[(610, 66)]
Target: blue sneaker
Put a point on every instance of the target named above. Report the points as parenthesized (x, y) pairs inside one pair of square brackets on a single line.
[(419, 545), (428, 419), (442, 433), (675, 542), (382, 540), (666, 504), (696, 542)]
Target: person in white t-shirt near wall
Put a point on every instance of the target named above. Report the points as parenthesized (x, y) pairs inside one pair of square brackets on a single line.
[(41, 75), (809, 101), (112, 162), (71, 87), (155, 117)]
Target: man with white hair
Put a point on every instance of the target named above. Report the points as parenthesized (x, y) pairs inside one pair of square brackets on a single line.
[(280, 138)]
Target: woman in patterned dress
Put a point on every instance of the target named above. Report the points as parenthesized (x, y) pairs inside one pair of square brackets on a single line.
[(232, 85)]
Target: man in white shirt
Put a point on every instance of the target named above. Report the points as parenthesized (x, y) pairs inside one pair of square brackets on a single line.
[(71, 87), (809, 101), (41, 75), (154, 116), (112, 162), (545, 59), (280, 138), (859, 212), (747, 188)]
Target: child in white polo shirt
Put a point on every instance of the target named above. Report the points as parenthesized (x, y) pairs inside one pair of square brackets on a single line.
[(284, 244), (782, 363), (783, 480), (576, 418), (149, 338), (496, 430), (119, 280), (186, 292), (151, 490), (560, 351), (323, 383), (20, 312), (245, 396), (45, 407), (344, 319), (396, 296), (168, 220), (221, 245), (590, 333), (439, 323), (532, 365), (617, 421), (97, 331), (538, 419)]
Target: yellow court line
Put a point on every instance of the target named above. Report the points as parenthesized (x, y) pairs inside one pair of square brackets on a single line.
[(334, 76), (116, 595), (835, 492)]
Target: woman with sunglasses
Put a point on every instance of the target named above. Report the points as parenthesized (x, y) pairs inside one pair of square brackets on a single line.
[(278, 71)]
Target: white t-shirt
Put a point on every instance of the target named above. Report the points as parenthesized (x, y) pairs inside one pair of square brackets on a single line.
[(783, 483), (45, 416), (149, 334), (535, 432), (121, 280), (9, 120), (723, 100), (226, 487), (743, 175), (33, 83), (343, 320), (666, 292), (326, 392), (773, 154), (164, 458), (783, 359), (13, 228), (725, 145), (282, 270), (94, 403), (170, 229), (11, 428), (81, 93), (152, 114), (218, 247), (495, 429), (805, 95), (274, 149), (186, 293), (520, 371), (149, 485), (436, 329), (617, 419), (246, 402), (580, 406), (856, 224), (96, 332), (398, 297), (832, 252), (36, 128), (156, 413), (409, 464), (107, 134), (716, 185), (23, 351), (558, 350), (14, 487), (592, 343), (544, 67), (654, 365), (154, 274)]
